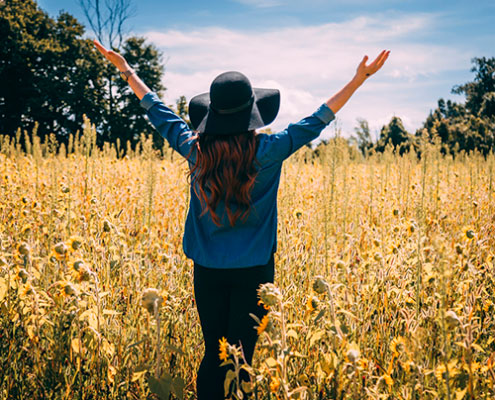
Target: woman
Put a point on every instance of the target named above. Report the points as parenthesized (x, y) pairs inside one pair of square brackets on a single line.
[(231, 226)]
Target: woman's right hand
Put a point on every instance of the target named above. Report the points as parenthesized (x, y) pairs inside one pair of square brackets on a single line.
[(115, 58)]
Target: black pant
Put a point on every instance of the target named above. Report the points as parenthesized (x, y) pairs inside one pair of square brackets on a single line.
[(225, 298)]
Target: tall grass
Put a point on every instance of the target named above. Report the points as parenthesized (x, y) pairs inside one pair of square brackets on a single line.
[(384, 276)]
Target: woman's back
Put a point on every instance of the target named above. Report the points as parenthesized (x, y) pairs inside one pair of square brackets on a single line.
[(251, 241)]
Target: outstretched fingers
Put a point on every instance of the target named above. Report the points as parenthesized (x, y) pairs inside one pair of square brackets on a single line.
[(383, 58), (380, 60)]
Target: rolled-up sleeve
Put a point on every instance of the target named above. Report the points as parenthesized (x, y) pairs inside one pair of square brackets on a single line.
[(281, 145), (173, 128)]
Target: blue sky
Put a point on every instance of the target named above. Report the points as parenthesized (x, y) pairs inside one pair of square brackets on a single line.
[(309, 49)]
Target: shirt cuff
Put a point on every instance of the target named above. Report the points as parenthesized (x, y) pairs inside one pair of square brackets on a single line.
[(149, 100), (324, 114)]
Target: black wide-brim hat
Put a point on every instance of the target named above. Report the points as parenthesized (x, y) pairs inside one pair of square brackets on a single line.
[(233, 106)]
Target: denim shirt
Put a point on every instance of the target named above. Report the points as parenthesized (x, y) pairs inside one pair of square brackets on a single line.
[(252, 241)]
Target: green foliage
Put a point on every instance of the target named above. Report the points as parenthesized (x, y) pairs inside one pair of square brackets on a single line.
[(483, 84), (469, 126), (52, 76), (49, 74), (458, 127), (128, 120), (396, 135), (362, 139)]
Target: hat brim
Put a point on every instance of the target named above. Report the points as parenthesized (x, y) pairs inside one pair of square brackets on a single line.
[(261, 113)]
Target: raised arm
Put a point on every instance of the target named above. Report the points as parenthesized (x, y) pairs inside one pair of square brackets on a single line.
[(136, 84), (363, 72)]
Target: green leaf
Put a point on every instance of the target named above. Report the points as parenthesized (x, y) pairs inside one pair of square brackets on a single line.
[(174, 349), (320, 314), (228, 379), (178, 387), (161, 386)]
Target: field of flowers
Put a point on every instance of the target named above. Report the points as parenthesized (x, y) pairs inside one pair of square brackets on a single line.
[(384, 285)]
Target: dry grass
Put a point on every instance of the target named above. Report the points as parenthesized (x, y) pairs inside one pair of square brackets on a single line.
[(384, 277)]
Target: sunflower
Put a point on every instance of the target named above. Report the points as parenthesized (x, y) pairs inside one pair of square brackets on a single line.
[(312, 304), (260, 303), (468, 233), (274, 384), (28, 289), (397, 345), (223, 347), (75, 242), (263, 325), (388, 380), (23, 249), (297, 213)]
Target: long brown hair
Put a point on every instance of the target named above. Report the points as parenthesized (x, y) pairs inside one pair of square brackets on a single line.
[(225, 169)]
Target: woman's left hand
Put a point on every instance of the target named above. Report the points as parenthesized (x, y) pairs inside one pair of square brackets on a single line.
[(115, 58), (365, 71)]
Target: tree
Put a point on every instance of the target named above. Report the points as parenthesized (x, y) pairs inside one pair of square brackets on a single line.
[(483, 84), (124, 117), (49, 74), (469, 126), (395, 134), (363, 137), (130, 121)]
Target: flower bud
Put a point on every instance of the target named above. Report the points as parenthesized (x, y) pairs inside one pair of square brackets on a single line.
[(61, 248), (149, 297), (269, 294), (452, 319), (319, 284), (24, 249), (353, 355)]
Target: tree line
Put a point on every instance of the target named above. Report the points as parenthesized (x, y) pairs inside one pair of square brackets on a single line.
[(50, 76), (464, 126)]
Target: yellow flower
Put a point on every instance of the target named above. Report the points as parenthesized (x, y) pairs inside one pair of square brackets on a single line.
[(28, 289), (26, 229), (388, 380), (297, 213), (76, 265), (274, 384), (409, 365), (23, 275), (260, 303), (69, 289), (397, 345), (363, 363), (440, 370), (61, 248), (411, 228), (223, 347), (75, 242), (84, 274), (312, 304), (468, 233), (263, 324)]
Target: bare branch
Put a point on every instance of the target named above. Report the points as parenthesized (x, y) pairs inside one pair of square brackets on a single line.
[(108, 19)]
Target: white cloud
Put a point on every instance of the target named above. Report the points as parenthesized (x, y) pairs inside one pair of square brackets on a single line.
[(309, 64)]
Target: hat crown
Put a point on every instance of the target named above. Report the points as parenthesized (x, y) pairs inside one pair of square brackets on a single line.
[(230, 90)]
